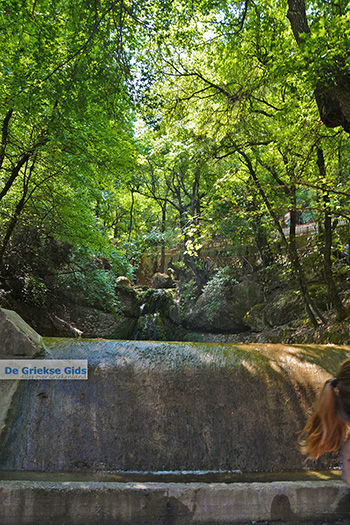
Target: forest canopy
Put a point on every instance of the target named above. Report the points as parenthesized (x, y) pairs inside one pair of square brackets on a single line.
[(132, 127)]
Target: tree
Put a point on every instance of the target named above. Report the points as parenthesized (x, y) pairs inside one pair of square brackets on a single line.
[(238, 89), (177, 177), (329, 38), (65, 116)]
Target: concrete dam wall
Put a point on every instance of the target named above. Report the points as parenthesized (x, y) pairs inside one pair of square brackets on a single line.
[(151, 406)]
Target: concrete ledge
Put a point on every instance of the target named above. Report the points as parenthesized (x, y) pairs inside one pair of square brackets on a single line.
[(107, 503)]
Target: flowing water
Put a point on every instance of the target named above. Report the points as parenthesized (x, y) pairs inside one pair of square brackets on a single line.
[(154, 406), (209, 476)]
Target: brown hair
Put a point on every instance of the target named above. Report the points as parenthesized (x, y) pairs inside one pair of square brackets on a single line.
[(326, 429)]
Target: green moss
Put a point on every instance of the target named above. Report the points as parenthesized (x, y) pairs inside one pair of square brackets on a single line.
[(157, 301), (152, 327), (195, 337), (255, 318)]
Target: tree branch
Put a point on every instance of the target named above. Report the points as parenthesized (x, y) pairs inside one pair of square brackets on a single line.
[(297, 16), (4, 135)]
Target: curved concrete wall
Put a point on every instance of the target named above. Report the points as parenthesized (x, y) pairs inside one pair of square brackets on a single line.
[(169, 406)]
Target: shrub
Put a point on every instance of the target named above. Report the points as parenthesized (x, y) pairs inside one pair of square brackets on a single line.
[(213, 290), (35, 290)]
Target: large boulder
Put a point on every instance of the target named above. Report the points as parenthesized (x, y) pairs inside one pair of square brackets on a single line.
[(161, 301), (222, 308), (18, 339), (159, 316), (91, 322), (128, 301), (256, 318), (71, 320), (284, 307), (74, 320), (123, 281), (162, 280)]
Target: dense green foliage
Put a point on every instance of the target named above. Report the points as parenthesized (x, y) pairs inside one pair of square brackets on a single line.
[(136, 127)]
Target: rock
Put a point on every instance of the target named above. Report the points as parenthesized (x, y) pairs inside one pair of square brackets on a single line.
[(123, 281), (162, 280), (74, 320), (92, 322), (222, 309), (158, 300), (281, 334), (128, 301), (124, 328), (63, 327), (159, 317), (151, 327), (79, 296), (256, 318), (8, 389), (286, 306), (207, 337), (18, 339)]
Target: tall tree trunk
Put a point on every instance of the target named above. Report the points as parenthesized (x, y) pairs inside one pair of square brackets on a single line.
[(310, 307), (333, 295), (290, 246), (116, 226), (10, 228), (297, 18), (14, 174), (18, 210), (201, 275), (162, 248), (131, 214), (262, 243), (4, 135), (333, 101), (261, 240)]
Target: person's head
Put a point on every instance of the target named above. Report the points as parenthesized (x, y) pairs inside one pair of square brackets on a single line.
[(325, 430)]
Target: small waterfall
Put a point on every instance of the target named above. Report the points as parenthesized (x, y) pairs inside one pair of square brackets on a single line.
[(158, 317), (155, 406)]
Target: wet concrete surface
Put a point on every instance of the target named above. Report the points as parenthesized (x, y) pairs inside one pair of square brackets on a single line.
[(169, 406), (173, 477), (111, 444)]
